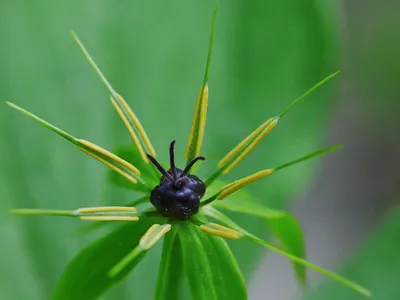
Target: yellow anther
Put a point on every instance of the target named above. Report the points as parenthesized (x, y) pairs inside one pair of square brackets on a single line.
[(138, 125), (109, 155), (202, 121), (110, 218), (110, 165), (252, 145), (243, 143), (153, 234), (106, 209), (220, 227), (131, 131), (198, 123), (231, 188), (221, 231)]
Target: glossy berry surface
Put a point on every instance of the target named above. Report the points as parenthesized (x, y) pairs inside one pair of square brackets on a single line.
[(178, 194)]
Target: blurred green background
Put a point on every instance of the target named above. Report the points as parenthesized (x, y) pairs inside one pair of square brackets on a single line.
[(266, 54)]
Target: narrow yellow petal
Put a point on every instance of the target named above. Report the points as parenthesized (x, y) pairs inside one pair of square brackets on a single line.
[(231, 188), (131, 131), (153, 234), (107, 209), (235, 150), (138, 125), (252, 145), (109, 218), (109, 155), (111, 166), (221, 231)]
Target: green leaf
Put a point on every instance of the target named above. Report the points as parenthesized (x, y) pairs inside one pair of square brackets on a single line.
[(352, 285), (282, 224), (209, 266), (131, 154), (375, 264), (170, 273), (154, 56), (291, 237), (87, 275)]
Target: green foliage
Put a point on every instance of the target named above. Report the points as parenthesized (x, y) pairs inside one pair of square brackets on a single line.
[(170, 274), (299, 262), (375, 264), (283, 225), (154, 55), (87, 276), (209, 266)]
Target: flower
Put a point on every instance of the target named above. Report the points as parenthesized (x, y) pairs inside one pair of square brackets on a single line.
[(182, 203)]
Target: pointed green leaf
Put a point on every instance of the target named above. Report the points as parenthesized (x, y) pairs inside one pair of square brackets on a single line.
[(375, 263), (282, 224), (225, 220), (261, 65), (87, 275), (170, 273), (209, 265), (291, 237), (354, 286), (131, 154)]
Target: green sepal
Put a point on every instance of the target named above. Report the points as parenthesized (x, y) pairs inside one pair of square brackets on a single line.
[(209, 266), (282, 224), (87, 275), (215, 214), (170, 273)]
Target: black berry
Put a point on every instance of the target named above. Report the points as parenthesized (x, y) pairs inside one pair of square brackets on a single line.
[(178, 194)]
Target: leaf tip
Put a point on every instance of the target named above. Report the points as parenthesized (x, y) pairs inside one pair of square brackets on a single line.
[(215, 8), (10, 104), (73, 34)]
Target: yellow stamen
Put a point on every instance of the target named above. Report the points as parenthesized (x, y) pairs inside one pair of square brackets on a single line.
[(242, 143), (109, 218), (202, 121), (221, 231), (231, 188), (153, 234), (110, 155), (107, 209), (131, 131), (199, 119), (192, 129), (253, 144), (220, 227), (138, 125), (110, 165)]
